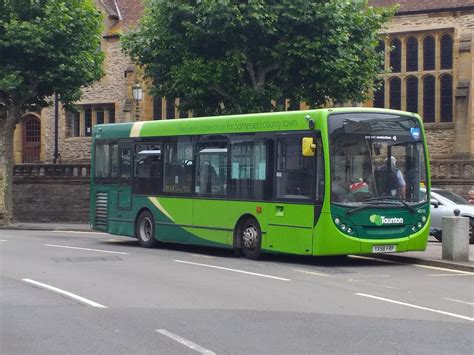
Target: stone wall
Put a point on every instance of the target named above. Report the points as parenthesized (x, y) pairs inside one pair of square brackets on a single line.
[(51, 193), (111, 89), (456, 175), (440, 137)]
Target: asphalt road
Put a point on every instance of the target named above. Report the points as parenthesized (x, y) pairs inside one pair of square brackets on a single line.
[(188, 300)]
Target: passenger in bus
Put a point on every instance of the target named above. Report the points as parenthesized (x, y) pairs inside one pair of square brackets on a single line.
[(359, 189)]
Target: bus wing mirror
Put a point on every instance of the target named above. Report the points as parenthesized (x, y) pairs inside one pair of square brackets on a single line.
[(308, 147)]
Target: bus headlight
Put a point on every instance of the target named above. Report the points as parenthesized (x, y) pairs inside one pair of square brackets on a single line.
[(345, 226)]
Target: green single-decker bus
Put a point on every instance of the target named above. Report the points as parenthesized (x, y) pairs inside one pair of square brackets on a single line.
[(316, 182)]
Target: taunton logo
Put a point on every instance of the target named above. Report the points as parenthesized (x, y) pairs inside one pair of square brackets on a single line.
[(381, 220)]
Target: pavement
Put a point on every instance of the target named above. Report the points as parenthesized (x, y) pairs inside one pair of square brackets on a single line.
[(432, 256)]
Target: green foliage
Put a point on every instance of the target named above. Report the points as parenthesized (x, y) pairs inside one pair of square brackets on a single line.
[(234, 56), (46, 47)]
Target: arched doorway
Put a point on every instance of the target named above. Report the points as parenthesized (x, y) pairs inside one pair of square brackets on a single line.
[(31, 140)]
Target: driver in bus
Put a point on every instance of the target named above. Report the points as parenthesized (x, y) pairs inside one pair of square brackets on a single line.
[(391, 183)]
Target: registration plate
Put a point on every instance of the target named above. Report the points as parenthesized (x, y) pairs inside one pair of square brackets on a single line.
[(384, 248)]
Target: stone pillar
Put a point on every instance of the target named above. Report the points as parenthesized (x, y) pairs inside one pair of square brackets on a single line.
[(94, 117), (463, 146), (455, 238)]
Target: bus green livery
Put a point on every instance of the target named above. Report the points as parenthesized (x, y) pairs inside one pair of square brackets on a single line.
[(316, 182)]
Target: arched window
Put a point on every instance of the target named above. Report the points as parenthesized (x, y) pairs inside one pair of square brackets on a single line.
[(395, 55), (412, 94), (429, 53), (412, 54), (379, 95), (429, 98), (446, 52), (395, 94), (446, 99), (381, 48)]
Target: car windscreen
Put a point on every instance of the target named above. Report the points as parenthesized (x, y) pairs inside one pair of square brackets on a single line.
[(452, 197)]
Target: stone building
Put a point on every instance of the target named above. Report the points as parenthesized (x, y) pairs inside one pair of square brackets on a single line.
[(109, 100), (431, 62)]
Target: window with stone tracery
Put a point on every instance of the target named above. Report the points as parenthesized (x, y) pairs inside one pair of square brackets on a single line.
[(418, 74), (81, 121)]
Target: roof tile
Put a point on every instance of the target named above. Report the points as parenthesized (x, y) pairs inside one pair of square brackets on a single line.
[(423, 5), (131, 11)]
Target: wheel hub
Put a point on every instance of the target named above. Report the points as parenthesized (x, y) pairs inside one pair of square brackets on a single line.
[(146, 229), (250, 237)]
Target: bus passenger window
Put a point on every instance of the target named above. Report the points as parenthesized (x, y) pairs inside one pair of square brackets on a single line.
[(178, 166), (249, 168), (294, 173), (211, 175), (148, 169), (102, 161)]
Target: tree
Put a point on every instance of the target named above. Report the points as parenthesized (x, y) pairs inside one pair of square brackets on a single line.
[(235, 56), (46, 47)]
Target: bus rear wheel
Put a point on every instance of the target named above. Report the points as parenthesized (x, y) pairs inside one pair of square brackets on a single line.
[(251, 239), (145, 230)]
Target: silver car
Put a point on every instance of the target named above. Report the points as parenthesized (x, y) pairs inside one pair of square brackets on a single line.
[(443, 203)]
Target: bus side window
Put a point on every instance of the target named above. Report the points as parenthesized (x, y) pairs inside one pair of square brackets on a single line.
[(249, 168), (178, 163), (294, 171), (211, 173), (125, 163), (148, 169), (102, 161)]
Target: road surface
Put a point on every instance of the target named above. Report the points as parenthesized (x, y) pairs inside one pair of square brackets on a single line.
[(84, 293)]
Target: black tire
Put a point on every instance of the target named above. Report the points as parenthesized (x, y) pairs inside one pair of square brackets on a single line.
[(438, 236), (250, 236), (471, 230), (145, 230)]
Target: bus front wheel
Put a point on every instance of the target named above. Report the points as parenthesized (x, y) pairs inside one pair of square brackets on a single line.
[(145, 230), (251, 239)]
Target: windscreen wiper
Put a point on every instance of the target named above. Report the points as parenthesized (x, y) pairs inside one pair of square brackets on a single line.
[(390, 198), (375, 203)]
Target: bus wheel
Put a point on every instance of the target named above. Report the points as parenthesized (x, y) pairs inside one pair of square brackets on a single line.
[(251, 239), (145, 230)]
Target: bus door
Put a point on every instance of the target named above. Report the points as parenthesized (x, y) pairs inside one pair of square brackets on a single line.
[(124, 189), (210, 207), (291, 217)]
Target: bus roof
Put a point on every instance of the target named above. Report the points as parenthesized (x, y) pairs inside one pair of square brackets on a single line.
[(256, 122)]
